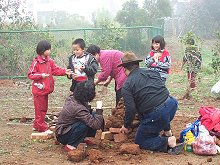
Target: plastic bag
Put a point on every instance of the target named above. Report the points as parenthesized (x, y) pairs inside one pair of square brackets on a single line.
[(216, 88), (204, 145), (194, 128)]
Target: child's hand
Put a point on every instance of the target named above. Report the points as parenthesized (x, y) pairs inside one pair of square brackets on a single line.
[(74, 76), (44, 75), (155, 59), (68, 71)]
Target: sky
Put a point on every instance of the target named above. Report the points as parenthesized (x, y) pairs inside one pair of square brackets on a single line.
[(81, 7)]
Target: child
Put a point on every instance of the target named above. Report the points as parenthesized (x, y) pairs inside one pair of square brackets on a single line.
[(76, 121), (193, 60), (159, 58), (83, 64), (41, 72)]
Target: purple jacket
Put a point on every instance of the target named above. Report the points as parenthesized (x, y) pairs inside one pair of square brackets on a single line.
[(109, 60)]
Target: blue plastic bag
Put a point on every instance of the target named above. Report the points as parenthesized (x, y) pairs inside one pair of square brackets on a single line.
[(194, 128)]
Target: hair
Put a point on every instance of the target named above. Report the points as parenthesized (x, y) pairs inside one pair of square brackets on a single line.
[(93, 49), (131, 66), (84, 91), (42, 46), (159, 39), (80, 42), (190, 41)]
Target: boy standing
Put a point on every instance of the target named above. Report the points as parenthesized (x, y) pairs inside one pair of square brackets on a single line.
[(83, 64)]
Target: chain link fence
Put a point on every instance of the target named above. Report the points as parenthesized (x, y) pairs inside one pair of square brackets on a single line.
[(17, 48)]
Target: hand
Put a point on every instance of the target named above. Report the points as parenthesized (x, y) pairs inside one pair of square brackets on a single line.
[(155, 59), (106, 83), (74, 76), (99, 104), (44, 75), (68, 71), (124, 130)]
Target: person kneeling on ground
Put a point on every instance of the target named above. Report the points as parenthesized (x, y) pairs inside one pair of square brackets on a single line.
[(76, 120), (145, 94)]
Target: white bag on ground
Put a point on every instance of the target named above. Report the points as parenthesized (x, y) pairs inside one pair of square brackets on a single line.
[(216, 88)]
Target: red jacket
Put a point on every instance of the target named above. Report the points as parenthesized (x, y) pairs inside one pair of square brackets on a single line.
[(44, 65)]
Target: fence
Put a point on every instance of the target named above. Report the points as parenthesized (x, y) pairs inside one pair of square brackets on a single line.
[(17, 48)]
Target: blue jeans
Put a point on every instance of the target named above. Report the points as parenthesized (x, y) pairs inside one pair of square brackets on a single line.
[(147, 135), (77, 134)]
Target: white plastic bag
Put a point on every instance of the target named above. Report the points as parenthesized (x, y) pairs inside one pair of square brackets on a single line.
[(216, 88)]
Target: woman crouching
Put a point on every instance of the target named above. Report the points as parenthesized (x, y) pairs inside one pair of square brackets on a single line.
[(76, 120)]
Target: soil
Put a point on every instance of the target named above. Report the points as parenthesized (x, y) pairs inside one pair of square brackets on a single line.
[(17, 148)]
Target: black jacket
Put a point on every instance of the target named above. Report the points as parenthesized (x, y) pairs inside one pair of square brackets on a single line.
[(142, 91), (91, 68)]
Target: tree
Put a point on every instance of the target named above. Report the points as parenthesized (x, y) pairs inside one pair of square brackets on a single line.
[(202, 17), (14, 13), (17, 49), (110, 34), (132, 15), (156, 10)]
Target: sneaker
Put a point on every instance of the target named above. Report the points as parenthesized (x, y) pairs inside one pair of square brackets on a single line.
[(177, 149), (48, 132), (69, 148)]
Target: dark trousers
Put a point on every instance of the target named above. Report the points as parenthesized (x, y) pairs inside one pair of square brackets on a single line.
[(118, 96), (40, 107), (147, 135), (77, 134)]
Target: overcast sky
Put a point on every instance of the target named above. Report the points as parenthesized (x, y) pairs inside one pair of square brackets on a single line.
[(81, 7)]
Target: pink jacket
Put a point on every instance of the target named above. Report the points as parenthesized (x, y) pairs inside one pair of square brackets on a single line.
[(109, 60)]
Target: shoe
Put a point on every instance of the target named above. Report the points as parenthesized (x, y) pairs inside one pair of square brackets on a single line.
[(69, 148), (48, 132), (177, 149), (33, 129)]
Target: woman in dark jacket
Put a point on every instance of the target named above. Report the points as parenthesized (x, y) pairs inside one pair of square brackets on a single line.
[(76, 120)]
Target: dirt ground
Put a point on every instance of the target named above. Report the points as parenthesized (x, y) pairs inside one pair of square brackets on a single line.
[(16, 147)]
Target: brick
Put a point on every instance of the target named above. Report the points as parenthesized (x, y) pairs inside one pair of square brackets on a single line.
[(41, 136), (95, 156), (129, 149), (121, 137), (98, 134), (76, 155), (107, 135), (114, 130), (52, 128)]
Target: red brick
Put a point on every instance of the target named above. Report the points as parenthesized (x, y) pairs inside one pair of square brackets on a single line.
[(76, 155), (121, 137), (114, 130), (95, 156), (129, 149)]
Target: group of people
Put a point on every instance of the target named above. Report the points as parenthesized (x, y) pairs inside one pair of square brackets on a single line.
[(143, 90)]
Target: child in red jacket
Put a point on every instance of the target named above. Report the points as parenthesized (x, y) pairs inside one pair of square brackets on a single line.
[(159, 58), (41, 72)]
